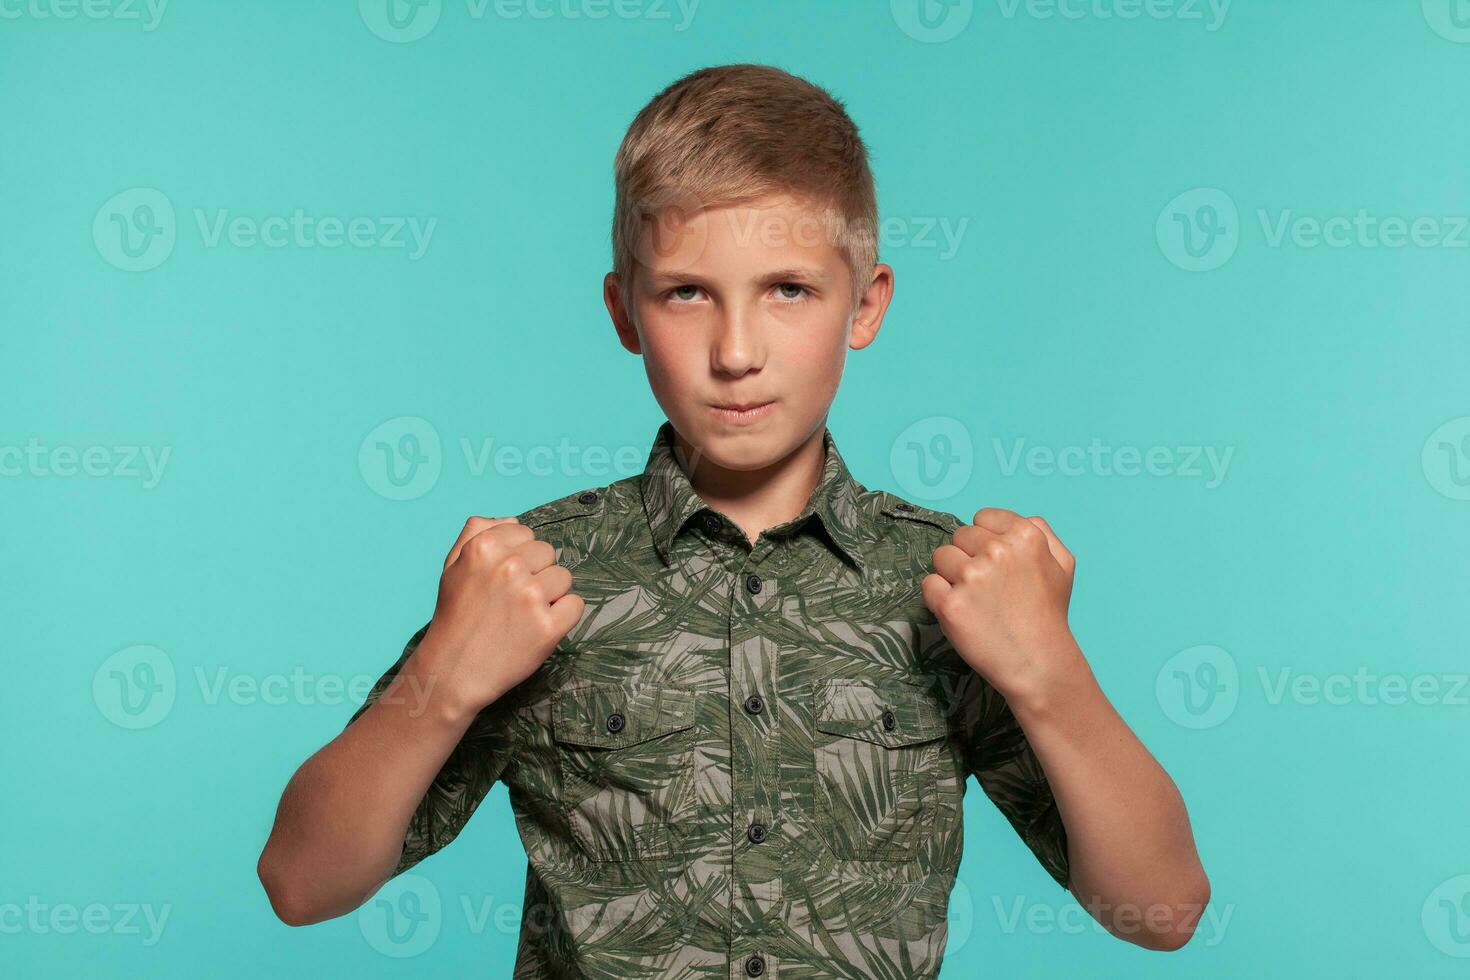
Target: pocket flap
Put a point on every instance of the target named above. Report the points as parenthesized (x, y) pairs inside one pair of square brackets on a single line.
[(614, 715), (885, 713)]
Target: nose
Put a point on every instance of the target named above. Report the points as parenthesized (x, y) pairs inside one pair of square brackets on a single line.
[(737, 345)]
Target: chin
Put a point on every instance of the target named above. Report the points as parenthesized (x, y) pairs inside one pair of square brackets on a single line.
[(741, 448)]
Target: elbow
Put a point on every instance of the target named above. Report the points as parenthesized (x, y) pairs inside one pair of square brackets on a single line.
[(1173, 931), (282, 897)]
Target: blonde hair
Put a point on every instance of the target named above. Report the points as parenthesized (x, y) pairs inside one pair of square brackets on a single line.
[(729, 134)]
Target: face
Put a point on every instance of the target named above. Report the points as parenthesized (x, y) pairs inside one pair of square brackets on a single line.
[(744, 316)]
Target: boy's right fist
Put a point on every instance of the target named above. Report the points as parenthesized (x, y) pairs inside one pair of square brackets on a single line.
[(503, 606)]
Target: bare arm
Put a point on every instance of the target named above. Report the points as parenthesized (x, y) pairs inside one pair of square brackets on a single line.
[(342, 822), (340, 825), (1000, 589), (1129, 845)]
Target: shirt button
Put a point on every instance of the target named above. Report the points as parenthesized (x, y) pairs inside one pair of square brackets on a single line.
[(756, 833), (589, 497), (755, 704), (903, 506), (753, 583), (755, 966), (615, 722), (889, 721), (711, 523)]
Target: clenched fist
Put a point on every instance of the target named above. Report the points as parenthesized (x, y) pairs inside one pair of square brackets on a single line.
[(1000, 590), (503, 606)]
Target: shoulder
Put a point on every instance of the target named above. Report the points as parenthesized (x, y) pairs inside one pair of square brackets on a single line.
[(573, 521), (901, 516), (579, 505), (902, 538)]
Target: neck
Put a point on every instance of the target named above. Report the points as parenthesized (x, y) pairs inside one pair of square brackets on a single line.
[(760, 498)]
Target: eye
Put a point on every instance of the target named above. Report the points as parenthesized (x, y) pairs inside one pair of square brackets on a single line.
[(802, 291), (676, 292)]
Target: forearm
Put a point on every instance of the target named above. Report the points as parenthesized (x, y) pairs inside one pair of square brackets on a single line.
[(340, 825), (1130, 848)]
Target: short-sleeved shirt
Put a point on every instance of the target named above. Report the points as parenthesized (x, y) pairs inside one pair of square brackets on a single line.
[(745, 759)]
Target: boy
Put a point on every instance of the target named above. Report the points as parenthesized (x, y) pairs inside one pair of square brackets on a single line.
[(739, 748)]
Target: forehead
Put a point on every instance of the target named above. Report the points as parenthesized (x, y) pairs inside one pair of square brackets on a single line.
[(777, 229)]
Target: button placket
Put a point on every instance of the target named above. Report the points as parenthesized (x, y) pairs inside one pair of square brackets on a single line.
[(756, 886)]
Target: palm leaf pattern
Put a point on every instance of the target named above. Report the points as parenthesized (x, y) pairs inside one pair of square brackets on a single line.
[(856, 761)]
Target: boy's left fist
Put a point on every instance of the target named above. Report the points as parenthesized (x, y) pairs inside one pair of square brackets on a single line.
[(1000, 590)]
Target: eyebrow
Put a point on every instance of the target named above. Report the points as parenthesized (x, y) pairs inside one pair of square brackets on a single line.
[(800, 273)]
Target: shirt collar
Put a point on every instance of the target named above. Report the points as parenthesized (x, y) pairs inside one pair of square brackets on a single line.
[(669, 499)]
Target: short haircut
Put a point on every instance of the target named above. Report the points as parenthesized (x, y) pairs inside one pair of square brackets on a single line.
[(730, 134)]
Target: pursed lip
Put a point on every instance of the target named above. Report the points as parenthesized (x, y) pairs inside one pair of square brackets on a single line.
[(742, 406)]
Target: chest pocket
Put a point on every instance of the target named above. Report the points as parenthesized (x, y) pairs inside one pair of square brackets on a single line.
[(627, 754), (876, 751)]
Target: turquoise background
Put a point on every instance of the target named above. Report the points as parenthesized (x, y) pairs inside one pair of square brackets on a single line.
[(1075, 150)]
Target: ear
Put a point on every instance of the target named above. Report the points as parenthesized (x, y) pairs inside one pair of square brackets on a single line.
[(618, 301), (873, 303)]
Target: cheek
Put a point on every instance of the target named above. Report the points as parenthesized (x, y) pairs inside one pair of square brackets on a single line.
[(668, 361), (821, 355)]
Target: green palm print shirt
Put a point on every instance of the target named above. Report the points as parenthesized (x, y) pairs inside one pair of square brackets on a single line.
[(744, 760)]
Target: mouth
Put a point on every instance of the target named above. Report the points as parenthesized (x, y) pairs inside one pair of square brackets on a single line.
[(742, 411)]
